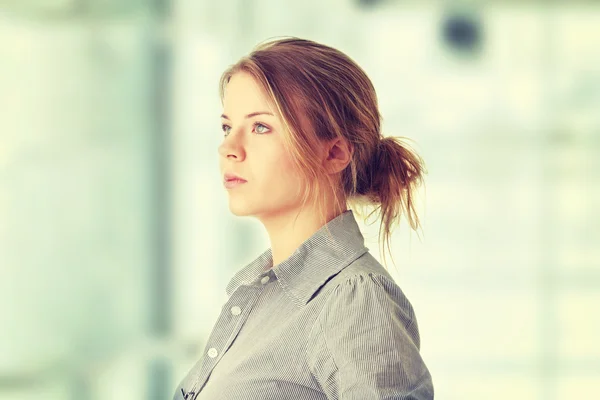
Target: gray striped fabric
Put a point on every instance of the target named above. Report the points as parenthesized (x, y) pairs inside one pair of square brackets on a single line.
[(329, 322)]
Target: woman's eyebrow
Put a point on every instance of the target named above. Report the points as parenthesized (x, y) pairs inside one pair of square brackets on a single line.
[(254, 114)]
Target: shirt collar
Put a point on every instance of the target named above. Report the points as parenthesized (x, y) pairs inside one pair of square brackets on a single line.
[(317, 259)]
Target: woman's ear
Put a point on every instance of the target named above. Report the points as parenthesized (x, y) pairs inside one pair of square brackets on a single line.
[(338, 154)]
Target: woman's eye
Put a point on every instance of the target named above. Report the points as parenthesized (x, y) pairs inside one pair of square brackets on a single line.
[(258, 125), (225, 128)]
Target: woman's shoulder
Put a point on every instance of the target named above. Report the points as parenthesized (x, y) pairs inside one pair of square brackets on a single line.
[(364, 292), (365, 266), (365, 277)]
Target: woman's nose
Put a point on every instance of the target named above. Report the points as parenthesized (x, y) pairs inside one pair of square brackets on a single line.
[(231, 147)]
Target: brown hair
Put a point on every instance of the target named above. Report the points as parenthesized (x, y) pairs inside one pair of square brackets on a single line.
[(322, 94)]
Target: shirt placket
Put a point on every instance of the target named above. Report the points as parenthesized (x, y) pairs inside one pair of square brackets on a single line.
[(234, 314)]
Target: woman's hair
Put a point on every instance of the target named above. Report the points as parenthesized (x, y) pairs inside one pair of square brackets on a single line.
[(322, 94)]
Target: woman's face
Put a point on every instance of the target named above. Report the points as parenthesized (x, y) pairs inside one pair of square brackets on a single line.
[(252, 149)]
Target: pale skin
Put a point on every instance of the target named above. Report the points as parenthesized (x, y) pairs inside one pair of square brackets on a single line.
[(253, 149)]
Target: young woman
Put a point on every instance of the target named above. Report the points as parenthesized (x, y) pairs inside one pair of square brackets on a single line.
[(315, 316)]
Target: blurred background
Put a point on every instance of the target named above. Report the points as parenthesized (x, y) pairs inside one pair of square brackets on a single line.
[(116, 241)]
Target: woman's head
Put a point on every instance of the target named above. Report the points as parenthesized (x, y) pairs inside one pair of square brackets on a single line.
[(321, 103), (253, 149)]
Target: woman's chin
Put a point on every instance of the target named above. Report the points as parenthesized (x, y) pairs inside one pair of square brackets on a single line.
[(238, 209)]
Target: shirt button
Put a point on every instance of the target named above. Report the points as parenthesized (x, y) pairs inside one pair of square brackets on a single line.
[(212, 352), (235, 310), (264, 280)]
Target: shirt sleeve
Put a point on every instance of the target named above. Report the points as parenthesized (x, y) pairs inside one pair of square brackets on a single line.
[(365, 343)]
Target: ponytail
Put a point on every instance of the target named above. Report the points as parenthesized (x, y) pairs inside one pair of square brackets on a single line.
[(390, 180)]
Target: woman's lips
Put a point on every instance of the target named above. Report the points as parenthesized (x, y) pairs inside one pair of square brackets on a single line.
[(234, 183)]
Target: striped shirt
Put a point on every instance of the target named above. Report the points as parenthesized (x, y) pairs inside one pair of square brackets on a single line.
[(329, 322)]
